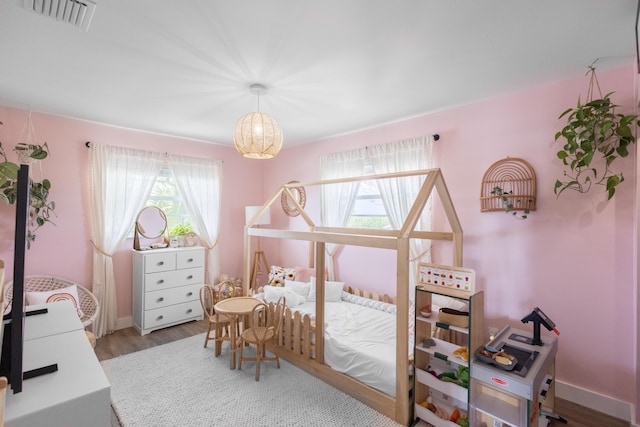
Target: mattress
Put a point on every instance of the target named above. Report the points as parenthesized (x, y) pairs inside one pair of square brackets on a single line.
[(360, 337), (360, 341)]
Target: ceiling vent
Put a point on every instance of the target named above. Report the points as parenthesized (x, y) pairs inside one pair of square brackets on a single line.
[(75, 12)]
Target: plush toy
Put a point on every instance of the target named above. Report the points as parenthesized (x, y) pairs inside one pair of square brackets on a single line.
[(278, 274)]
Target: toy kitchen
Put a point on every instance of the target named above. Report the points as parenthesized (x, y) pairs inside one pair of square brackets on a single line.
[(512, 377)]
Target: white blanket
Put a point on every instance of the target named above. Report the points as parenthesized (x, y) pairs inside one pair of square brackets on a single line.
[(360, 341)]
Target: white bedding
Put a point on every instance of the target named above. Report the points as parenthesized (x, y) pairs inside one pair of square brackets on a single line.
[(360, 341), (360, 336)]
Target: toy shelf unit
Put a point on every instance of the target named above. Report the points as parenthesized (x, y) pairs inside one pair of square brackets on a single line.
[(444, 343), (521, 395)]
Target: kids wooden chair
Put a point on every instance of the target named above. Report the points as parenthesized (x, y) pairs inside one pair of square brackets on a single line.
[(217, 323), (265, 324)]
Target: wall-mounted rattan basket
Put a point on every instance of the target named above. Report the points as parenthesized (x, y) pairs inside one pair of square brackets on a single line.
[(517, 180)]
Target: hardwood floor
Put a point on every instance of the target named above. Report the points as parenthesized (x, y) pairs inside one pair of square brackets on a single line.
[(577, 415), (129, 340)]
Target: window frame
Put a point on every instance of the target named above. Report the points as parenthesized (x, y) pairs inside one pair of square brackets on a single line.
[(175, 215), (368, 221)]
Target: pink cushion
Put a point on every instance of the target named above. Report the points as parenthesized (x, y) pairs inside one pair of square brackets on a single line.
[(68, 293), (304, 274)]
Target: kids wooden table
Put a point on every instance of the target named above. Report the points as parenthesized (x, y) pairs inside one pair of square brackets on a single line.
[(235, 308)]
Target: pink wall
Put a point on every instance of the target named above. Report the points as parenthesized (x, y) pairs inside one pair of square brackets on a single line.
[(573, 257), (65, 250)]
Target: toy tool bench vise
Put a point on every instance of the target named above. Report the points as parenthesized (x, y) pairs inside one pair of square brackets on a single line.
[(512, 377), (539, 318)]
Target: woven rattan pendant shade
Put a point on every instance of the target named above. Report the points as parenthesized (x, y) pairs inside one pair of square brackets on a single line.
[(257, 135), (517, 180)]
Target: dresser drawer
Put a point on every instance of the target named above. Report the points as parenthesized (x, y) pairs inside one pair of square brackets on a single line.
[(190, 259), (171, 279), (159, 262), (171, 296), (172, 314)]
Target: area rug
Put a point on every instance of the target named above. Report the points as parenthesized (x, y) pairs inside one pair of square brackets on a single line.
[(184, 384)]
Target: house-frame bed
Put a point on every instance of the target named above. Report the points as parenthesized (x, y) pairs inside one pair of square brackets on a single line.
[(398, 407)]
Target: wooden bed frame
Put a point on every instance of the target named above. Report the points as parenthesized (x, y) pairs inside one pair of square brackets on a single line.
[(297, 345), (399, 407)]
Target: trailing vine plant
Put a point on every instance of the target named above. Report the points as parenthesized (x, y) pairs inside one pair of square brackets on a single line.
[(595, 136), (507, 203), (41, 208)]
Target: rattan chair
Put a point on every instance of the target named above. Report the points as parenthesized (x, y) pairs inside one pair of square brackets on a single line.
[(87, 301), (265, 324)]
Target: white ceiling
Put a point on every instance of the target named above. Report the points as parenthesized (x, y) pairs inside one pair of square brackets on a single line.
[(333, 66)]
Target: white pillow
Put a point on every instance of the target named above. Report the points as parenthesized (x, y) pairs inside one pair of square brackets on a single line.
[(332, 291), (300, 288), (273, 293), (68, 293)]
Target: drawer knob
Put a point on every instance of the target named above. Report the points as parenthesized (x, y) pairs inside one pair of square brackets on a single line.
[(160, 317), (160, 299), (161, 263), (161, 281), (190, 260), (189, 277), (189, 311), (190, 294)]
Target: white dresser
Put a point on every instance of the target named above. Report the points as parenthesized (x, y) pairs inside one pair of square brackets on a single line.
[(166, 286)]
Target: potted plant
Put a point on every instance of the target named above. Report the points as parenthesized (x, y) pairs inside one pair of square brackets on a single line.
[(594, 137), (180, 232), (41, 208), (508, 204)]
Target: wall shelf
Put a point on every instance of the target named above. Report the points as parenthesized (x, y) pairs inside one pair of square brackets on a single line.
[(517, 180)]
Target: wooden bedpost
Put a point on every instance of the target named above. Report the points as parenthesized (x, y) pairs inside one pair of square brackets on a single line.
[(312, 254), (452, 217), (402, 331), (320, 257), (246, 266)]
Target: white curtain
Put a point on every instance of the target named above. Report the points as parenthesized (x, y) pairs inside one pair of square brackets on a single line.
[(200, 184), (121, 180), (399, 194), (337, 199)]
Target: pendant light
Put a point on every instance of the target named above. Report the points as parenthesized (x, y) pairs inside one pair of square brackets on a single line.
[(257, 135)]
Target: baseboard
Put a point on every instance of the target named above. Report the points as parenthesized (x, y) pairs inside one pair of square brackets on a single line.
[(124, 322), (605, 404)]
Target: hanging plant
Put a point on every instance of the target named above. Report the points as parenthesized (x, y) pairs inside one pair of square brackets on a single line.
[(507, 200), (595, 136), (41, 208)]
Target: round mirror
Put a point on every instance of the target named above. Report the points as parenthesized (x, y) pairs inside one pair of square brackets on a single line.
[(151, 223), (288, 206)]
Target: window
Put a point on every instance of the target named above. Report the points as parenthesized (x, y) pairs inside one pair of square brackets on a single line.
[(368, 209), (165, 196)]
